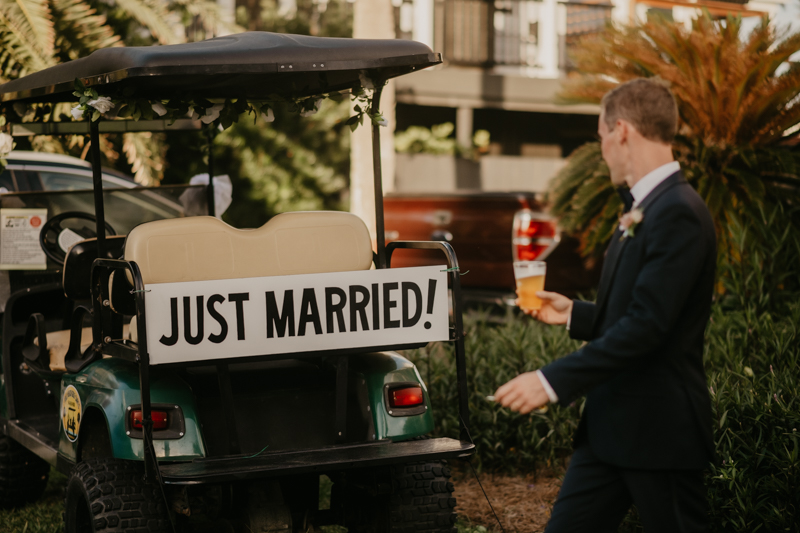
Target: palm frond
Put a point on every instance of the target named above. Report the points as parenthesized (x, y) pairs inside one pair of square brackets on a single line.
[(48, 144), (80, 30), (728, 90), (582, 197), (164, 25), (145, 152), (27, 36), (737, 99), (209, 15)]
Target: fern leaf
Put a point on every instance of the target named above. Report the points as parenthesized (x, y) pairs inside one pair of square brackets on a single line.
[(27, 36), (154, 15), (213, 21), (145, 153), (80, 29)]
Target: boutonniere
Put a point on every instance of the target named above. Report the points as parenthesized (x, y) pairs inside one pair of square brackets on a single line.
[(629, 221)]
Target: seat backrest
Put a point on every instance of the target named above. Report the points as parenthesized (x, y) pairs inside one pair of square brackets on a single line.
[(205, 248), (78, 265)]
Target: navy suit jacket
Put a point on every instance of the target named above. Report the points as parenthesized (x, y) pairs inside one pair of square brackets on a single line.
[(647, 404)]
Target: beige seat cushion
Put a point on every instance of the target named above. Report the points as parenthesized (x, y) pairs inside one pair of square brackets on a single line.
[(58, 345), (205, 248), (133, 333)]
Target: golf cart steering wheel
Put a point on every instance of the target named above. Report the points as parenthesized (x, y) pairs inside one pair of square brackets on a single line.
[(56, 237)]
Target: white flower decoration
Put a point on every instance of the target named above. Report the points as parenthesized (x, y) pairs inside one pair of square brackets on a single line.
[(159, 109), (77, 112), (6, 144), (103, 104), (212, 113), (269, 116), (629, 221)]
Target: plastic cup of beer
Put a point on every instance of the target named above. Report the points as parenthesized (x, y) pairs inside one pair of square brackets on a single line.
[(530, 280)]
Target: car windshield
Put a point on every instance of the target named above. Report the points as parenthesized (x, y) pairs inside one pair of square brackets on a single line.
[(56, 180), (124, 208)]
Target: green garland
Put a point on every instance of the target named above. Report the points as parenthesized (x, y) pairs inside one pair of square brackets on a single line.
[(127, 105), (225, 114)]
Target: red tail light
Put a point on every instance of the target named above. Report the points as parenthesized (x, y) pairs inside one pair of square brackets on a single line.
[(159, 419), (406, 397), (534, 236)]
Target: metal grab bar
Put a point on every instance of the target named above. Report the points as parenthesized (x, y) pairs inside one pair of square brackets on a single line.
[(458, 335), (101, 272)]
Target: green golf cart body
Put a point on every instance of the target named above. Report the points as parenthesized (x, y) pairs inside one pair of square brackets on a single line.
[(111, 375)]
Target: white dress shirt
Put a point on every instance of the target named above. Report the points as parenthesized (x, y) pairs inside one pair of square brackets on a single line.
[(651, 180), (639, 191)]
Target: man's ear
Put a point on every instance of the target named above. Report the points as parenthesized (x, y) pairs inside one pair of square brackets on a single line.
[(623, 130)]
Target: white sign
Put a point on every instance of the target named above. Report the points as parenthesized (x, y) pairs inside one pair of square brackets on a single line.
[(201, 320), (19, 239)]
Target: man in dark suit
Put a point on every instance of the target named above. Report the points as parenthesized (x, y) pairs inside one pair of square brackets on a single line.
[(645, 433)]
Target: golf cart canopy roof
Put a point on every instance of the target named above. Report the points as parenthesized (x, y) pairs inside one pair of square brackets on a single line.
[(252, 65)]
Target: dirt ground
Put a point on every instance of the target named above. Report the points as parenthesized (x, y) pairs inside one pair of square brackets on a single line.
[(522, 503)]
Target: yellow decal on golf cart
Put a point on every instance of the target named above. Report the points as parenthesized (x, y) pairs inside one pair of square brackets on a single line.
[(71, 413)]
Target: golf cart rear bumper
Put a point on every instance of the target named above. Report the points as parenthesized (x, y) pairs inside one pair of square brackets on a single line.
[(238, 468)]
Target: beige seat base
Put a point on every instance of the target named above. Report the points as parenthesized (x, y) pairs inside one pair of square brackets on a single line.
[(58, 345)]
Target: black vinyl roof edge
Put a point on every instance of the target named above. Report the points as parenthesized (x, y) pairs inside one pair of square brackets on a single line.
[(304, 60)]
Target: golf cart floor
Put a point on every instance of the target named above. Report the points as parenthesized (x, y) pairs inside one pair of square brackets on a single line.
[(328, 459)]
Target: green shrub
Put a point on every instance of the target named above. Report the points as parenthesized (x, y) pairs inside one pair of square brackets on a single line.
[(753, 374), (762, 273), (438, 140), (753, 366), (498, 350)]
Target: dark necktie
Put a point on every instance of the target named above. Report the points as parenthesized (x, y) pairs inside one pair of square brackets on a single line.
[(626, 196)]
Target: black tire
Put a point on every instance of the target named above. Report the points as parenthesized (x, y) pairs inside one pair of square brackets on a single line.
[(422, 499), (110, 495), (400, 499), (23, 474)]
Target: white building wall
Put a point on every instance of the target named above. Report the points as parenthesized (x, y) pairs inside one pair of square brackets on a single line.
[(423, 21), (442, 173), (548, 40), (622, 11)]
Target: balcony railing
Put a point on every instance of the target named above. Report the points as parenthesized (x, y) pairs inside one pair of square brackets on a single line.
[(582, 19), (488, 33)]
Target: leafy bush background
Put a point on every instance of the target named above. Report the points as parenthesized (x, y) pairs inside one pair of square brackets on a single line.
[(752, 362)]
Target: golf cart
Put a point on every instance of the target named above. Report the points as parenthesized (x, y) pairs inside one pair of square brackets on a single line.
[(184, 373)]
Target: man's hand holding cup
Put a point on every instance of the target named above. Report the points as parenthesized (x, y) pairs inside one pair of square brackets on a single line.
[(555, 308), (547, 307)]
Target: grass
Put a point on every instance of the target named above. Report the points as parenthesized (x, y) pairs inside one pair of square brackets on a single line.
[(43, 516)]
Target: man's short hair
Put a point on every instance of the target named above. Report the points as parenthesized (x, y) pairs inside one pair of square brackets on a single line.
[(647, 104)]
